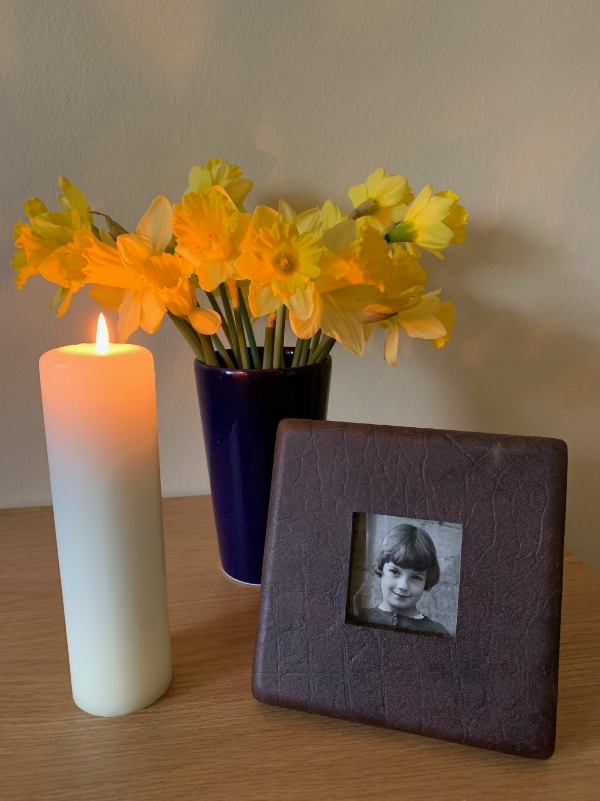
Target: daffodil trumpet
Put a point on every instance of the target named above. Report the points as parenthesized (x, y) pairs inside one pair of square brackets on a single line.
[(328, 274)]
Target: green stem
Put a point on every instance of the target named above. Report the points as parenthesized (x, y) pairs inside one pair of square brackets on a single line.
[(235, 346), (326, 350), (323, 348), (222, 352), (224, 325), (239, 327), (189, 335), (297, 352), (269, 343), (279, 333), (309, 348), (315, 342), (305, 353), (249, 332), (209, 353)]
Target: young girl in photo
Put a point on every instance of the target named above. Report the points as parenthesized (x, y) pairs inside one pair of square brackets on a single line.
[(407, 566)]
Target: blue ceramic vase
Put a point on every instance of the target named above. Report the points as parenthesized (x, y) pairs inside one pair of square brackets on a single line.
[(240, 412)]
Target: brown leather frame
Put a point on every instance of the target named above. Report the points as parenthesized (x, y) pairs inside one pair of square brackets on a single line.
[(492, 685)]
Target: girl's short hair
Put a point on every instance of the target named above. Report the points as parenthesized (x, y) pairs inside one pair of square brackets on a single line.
[(409, 546)]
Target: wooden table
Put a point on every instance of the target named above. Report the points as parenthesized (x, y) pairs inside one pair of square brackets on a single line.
[(207, 738)]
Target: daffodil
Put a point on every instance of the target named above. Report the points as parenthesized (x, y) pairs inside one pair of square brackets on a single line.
[(432, 222), (352, 267), (428, 319), (382, 199), (210, 232), (51, 234), (281, 263), (402, 287), (138, 277), (337, 274), (217, 172)]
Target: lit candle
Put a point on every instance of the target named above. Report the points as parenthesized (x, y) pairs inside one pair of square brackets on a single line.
[(101, 432)]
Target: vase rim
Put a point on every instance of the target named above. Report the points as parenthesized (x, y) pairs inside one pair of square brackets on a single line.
[(270, 370)]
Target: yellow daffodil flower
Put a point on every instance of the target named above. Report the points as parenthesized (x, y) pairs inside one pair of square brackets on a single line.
[(51, 245), (217, 172), (138, 277), (428, 319), (402, 304), (381, 200), (402, 287), (353, 265), (210, 233), (281, 261), (432, 222), (336, 273)]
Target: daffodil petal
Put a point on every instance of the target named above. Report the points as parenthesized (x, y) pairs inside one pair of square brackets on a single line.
[(213, 274), (446, 316), (65, 304), (311, 221), (264, 217), (390, 350), (309, 327), (157, 224), (135, 250), (130, 312), (422, 327), (301, 302), (262, 300), (331, 214), (108, 296), (33, 207), (199, 179), (419, 203), (286, 211), (340, 236), (390, 190), (76, 198), (153, 310), (343, 324), (358, 194), (105, 267)]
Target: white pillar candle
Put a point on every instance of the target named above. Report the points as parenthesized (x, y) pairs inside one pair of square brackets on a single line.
[(101, 432)]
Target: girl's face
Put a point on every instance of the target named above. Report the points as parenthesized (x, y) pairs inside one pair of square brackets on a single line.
[(402, 588)]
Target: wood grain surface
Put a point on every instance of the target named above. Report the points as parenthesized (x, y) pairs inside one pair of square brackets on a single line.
[(207, 738)]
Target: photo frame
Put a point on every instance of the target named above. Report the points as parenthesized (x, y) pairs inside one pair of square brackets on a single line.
[(492, 681)]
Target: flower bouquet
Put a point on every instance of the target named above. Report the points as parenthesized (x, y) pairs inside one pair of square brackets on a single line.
[(214, 269)]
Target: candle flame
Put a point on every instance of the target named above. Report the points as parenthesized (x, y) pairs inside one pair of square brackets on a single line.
[(102, 335)]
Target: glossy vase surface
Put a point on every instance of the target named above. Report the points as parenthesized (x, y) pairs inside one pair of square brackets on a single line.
[(240, 412)]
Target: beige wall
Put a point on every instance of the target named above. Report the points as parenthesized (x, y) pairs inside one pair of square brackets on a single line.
[(497, 100)]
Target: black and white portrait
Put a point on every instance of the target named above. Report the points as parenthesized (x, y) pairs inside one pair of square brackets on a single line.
[(404, 574)]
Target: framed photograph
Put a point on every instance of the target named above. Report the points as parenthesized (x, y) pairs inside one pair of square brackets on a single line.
[(404, 573), (413, 579)]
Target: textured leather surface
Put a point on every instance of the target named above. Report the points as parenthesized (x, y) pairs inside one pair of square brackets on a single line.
[(494, 684)]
